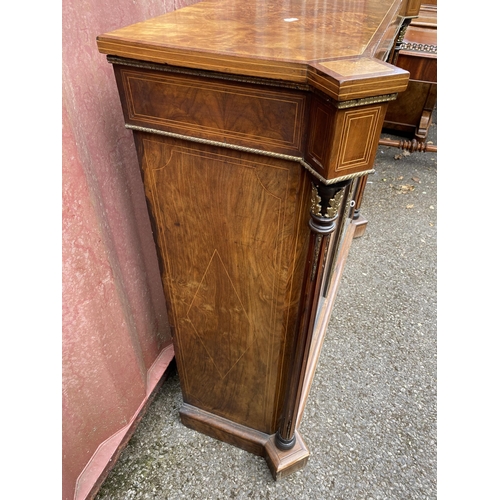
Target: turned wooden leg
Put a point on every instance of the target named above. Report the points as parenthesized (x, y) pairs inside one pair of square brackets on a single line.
[(359, 221), (409, 145), (422, 129)]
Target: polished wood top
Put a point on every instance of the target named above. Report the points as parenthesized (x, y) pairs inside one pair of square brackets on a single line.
[(283, 39)]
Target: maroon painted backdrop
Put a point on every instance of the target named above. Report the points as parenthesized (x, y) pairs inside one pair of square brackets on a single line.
[(116, 341)]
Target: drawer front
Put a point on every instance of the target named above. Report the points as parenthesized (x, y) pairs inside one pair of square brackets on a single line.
[(422, 68), (229, 112)]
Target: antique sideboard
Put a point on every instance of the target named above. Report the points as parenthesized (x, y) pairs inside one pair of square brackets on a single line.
[(411, 113), (253, 123)]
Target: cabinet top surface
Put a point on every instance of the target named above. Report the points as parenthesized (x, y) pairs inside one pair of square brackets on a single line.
[(278, 39)]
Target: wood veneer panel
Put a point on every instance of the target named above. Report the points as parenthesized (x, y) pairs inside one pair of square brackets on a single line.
[(290, 40), (231, 231), (412, 8), (343, 141), (359, 132), (258, 117), (421, 68)]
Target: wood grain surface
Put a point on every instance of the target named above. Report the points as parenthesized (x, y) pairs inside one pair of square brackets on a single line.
[(267, 118), (231, 229), (278, 40)]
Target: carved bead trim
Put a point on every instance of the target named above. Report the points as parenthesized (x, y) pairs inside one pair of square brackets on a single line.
[(419, 47), (192, 72), (365, 100), (402, 31), (251, 150)]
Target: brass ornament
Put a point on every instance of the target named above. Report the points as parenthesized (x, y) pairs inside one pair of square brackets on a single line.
[(250, 150), (363, 101), (315, 201), (334, 204)]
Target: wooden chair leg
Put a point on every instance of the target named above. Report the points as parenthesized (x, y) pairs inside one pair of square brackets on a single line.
[(409, 145)]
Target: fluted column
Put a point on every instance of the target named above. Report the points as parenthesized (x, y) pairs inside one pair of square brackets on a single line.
[(326, 206)]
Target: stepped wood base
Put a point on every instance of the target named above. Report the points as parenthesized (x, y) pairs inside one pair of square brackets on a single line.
[(281, 463), (360, 224)]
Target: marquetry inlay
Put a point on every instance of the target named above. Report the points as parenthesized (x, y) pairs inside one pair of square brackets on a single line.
[(222, 320), (219, 319), (268, 117), (359, 133), (357, 67)]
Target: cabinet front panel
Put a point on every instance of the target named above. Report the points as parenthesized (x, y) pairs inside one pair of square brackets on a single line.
[(231, 230), (237, 113), (420, 67)]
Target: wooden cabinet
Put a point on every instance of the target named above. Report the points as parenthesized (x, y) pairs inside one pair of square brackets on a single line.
[(411, 113), (252, 121)]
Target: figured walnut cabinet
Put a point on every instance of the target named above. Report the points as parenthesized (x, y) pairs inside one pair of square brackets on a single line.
[(252, 122)]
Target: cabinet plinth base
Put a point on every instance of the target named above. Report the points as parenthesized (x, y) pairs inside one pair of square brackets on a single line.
[(360, 226), (285, 462), (281, 463)]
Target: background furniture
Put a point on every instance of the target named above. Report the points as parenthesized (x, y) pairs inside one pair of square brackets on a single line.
[(410, 115)]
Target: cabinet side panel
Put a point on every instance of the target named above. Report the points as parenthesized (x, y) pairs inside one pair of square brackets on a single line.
[(227, 227)]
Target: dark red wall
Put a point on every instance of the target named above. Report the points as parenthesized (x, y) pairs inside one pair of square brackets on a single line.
[(116, 340)]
